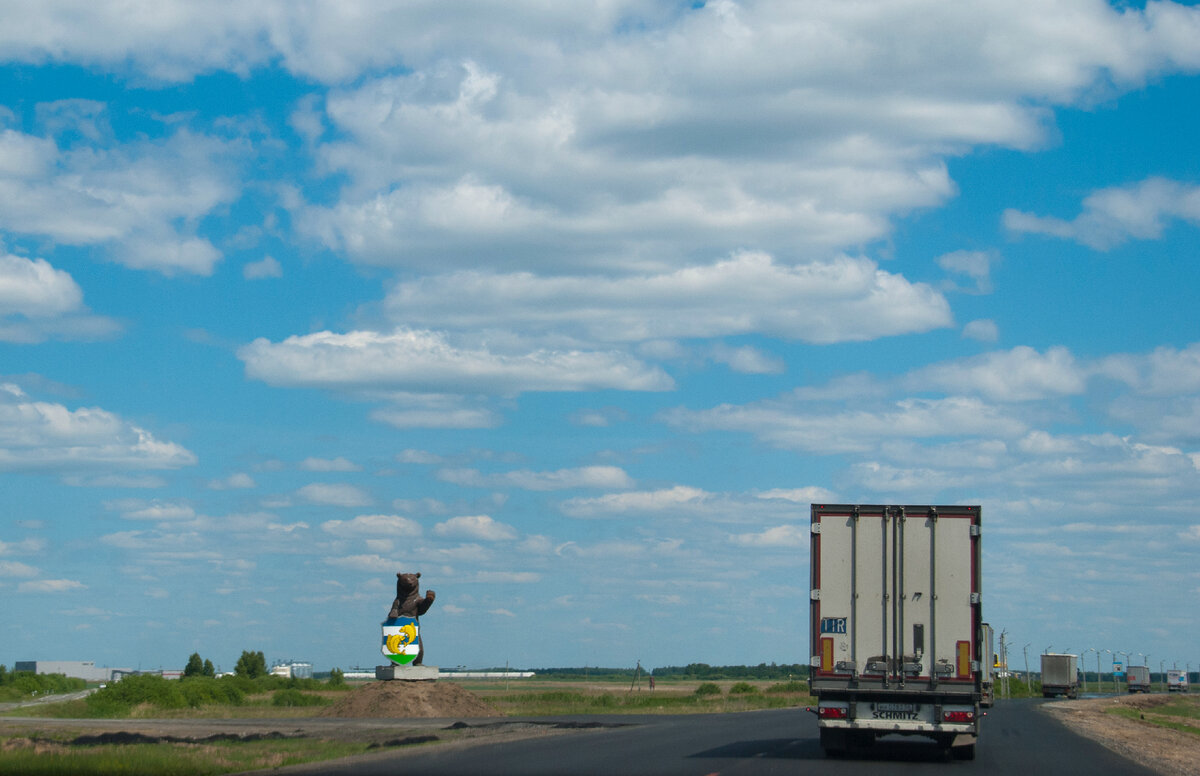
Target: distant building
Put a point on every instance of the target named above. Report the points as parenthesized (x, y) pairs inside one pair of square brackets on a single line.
[(293, 670), (77, 669)]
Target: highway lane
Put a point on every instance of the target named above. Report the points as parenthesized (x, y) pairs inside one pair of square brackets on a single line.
[(1016, 739)]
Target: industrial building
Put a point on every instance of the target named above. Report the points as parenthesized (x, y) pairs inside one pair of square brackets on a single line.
[(292, 670), (76, 669)]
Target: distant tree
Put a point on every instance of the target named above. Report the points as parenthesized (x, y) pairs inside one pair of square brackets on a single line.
[(195, 666), (208, 669), (251, 665), (337, 678)]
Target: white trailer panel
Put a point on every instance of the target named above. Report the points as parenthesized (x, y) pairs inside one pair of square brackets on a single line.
[(896, 628)]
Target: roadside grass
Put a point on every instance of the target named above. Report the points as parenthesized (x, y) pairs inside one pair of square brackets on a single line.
[(44, 757), (1179, 713), (669, 697)]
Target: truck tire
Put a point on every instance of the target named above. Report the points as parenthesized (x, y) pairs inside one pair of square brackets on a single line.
[(966, 752), (833, 742)]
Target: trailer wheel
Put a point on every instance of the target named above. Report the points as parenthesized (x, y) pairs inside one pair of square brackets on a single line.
[(963, 752), (833, 742)]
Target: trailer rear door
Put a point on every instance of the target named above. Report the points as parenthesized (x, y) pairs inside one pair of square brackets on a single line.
[(896, 597)]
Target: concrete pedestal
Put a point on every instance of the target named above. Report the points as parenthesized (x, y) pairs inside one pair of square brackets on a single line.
[(407, 673)]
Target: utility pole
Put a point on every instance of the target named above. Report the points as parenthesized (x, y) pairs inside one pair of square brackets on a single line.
[(1028, 686)]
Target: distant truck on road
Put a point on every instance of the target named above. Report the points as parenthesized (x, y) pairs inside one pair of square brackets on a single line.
[(1138, 679), (1177, 681), (1060, 675), (896, 625)]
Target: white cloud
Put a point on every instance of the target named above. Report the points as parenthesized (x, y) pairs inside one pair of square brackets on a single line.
[(132, 201), (39, 302), (12, 568), (338, 464), (666, 500), (370, 563), (334, 494), (158, 511), (478, 527), (846, 299), (50, 437), (507, 577), (1165, 371), (266, 267), (562, 479), (235, 481), (427, 361), (796, 427), (1113, 216), (379, 526), (981, 330), (460, 417), (976, 265), (50, 586), (1020, 374), (747, 360), (811, 495), (778, 536), (418, 457)]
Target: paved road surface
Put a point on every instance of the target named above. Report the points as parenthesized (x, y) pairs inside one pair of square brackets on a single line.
[(1017, 739)]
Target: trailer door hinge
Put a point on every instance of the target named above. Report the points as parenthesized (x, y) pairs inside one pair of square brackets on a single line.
[(815, 594), (976, 598), (815, 528), (976, 530)]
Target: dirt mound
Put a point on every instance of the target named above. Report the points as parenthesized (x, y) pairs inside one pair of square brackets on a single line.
[(397, 699)]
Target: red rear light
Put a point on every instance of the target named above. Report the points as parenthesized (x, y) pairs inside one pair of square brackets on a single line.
[(832, 712), (959, 716)]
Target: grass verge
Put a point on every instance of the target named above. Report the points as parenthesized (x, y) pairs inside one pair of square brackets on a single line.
[(45, 757), (1174, 714)]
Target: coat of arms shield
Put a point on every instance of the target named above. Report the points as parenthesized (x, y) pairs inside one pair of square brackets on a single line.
[(401, 640)]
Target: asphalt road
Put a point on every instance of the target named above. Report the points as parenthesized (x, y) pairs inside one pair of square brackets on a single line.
[(1016, 739)]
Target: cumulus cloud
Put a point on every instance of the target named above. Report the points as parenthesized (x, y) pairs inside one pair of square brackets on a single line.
[(12, 568), (476, 527), (778, 536), (39, 302), (335, 494), (562, 479), (791, 426), (427, 361), (50, 586), (848, 299), (1019, 374), (367, 564), (379, 526), (132, 201), (338, 464), (679, 497), (266, 267), (1110, 217), (36, 435)]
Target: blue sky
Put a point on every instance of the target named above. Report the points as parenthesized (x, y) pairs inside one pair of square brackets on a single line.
[(575, 308)]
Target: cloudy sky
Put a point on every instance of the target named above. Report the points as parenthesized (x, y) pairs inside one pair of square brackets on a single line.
[(576, 307)]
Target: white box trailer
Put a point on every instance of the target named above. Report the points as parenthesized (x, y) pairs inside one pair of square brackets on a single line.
[(1177, 681), (896, 624), (1138, 679), (1060, 675)]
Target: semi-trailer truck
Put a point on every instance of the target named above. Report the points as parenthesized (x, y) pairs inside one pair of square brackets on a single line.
[(1060, 675), (1138, 679), (896, 625), (1177, 681)]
